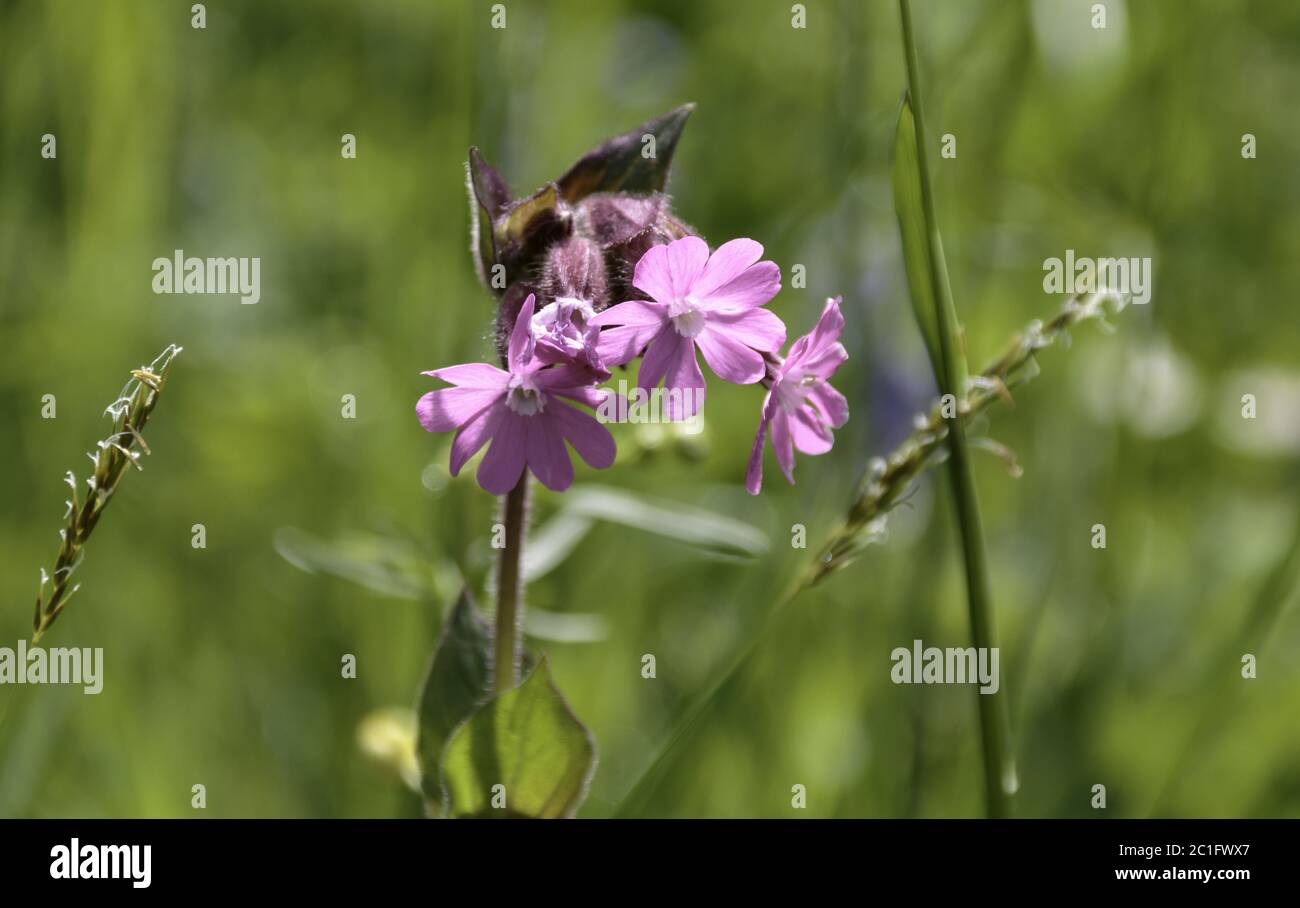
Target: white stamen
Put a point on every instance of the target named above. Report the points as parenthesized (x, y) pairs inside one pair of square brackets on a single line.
[(525, 401), (686, 316), (793, 389)]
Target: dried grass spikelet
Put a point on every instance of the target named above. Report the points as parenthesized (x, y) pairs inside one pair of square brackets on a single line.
[(111, 457)]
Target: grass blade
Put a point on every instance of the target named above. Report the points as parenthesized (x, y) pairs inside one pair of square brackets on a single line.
[(916, 229), (995, 727)]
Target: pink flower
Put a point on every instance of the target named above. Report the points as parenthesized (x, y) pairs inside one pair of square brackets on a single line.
[(696, 299), (521, 412), (565, 334), (800, 407)]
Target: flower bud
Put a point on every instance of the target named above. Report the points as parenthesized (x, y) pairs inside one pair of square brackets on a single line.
[(575, 268), (626, 225), (526, 231), (580, 236)]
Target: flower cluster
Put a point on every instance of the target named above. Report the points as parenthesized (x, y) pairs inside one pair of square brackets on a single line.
[(594, 270), (694, 301)]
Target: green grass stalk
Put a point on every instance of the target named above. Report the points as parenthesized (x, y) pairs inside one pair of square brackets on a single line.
[(995, 727)]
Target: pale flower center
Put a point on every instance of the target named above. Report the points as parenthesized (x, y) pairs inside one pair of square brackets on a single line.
[(523, 398), (792, 391), (686, 316)]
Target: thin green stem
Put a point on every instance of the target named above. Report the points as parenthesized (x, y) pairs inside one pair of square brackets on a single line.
[(509, 612), (995, 727), (638, 796)]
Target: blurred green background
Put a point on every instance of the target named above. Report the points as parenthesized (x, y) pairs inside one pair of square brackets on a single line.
[(222, 665)]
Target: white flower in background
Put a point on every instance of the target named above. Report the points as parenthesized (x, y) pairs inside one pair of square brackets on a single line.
[(1146, 385), (1275, 428)]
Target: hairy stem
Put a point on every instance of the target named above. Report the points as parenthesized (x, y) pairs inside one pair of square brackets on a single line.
[(995, 726), (509, 592)]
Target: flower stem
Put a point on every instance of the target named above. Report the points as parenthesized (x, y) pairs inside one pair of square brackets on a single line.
[(509, 611), (995, 727)]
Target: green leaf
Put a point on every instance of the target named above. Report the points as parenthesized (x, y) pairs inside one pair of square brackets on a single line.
[(565, 627), (529, 218), (457, 682), (383, 564), (527, 740), (1221, 685), (547, 548), (915, 224), (618, 165), (489, 197), (995, 723), (551, 543), (712, 534)]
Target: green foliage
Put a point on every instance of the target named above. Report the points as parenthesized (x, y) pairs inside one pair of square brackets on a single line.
[(916, 228), (528, 741), (1000, 779), (222, 664), (390, 566), (708, 533), (458, 682)]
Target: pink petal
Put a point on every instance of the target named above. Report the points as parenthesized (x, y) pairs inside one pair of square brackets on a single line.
[(567, 378), (622, 345), (503, 463), (686, 260), (752, 287), (829, 325), (639, 322), (667, 272), (754, 472), (633, 312), (660, 356), (589, 438), (729, 358), (726, 264), (758, 328), (450, 408), (832, 403), (472, 375), (782, 445), (798, 350), (592, 397), (824, 362), (818, 351), (651, 275), (521, 339), (473, 436), (547, 456), (809, 433), (684, 384)]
